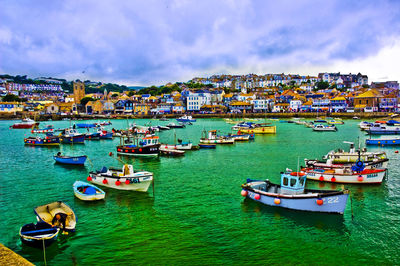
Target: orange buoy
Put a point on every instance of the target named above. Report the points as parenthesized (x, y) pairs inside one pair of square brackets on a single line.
[(110, 154), (277, 201), (127, 182), (320, 202), (140, 150), (321, 178), (333, 179), (117, 183), (257, 197), (105, 181), (244, 193), (360, 178), (89, 178), (396, 152)]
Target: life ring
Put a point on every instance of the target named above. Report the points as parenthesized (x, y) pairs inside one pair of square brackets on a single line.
[(297, 174)]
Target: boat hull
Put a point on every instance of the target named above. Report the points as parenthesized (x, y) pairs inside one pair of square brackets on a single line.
[(97, 195), (207, 146), (383, 142), (365, 177), (136, 183), (108, 135), (185, 120), (259, 130), (42, 141), (150, 150), (35, 235), (177, 146), (73, 160), (74, 139)]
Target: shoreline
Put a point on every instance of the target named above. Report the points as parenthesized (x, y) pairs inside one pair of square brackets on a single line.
[(53, 117)]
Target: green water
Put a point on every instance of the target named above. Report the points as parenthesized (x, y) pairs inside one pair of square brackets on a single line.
[(197, 215)]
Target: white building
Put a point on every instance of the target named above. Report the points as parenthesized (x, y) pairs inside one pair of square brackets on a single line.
[(195, 101), (295, 105)]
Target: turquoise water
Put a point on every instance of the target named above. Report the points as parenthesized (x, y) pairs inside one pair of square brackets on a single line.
[(197, 215)]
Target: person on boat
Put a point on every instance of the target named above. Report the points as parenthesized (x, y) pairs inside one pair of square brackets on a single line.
[(59, 154), (59, 219)]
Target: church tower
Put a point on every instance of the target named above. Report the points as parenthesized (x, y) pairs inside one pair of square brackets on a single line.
[(79, 91)]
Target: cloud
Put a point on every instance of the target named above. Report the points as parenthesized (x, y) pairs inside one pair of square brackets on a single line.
[(154, 42)]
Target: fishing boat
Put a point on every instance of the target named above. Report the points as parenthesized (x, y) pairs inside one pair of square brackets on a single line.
[(309, 124), (364, 125), (86, 125), (251, 136), (70, 135), (186, 118), (39, 234), (92, 136), (260, 129), (173, 125), (171, 152), (25, 123), (382, 129), (148, 145), (230, 121), (319, 120), (384, 141), (74, 160), (291, 194), (251, 119), (341, 156), (207, 146), (122, 179), (180, 146), (42, 131), (243, 125), (164, 119), (104, 134), (87, 192), (39, 141), (321, 128), (393, 123), (346, 175), (214, 138), (328, 164), (239, 137), (162, 127), (47, 212), (104, 123)]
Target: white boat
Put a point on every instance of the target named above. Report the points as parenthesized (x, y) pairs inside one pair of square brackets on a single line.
[(320, 127), (364, 125), (87, 192), (47, 212), (122, 179), (180, 146), (171, 152), (213, 138), (346, 175), (341, 156)]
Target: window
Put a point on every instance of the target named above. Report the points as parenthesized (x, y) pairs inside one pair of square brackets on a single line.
[(293, 182), (285, 181)]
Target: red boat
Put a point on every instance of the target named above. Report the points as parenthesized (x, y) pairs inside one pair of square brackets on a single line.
[(26, 123)]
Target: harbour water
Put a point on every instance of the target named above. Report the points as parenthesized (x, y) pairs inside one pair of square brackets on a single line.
[(197, 215)]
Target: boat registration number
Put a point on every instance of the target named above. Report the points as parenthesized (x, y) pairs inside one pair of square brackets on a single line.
[(134, 180), (332, 200)]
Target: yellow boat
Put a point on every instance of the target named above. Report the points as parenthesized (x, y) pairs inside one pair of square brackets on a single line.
[(259, 130)]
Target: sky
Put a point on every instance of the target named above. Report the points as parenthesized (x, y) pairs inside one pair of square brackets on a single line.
[(156, 42)]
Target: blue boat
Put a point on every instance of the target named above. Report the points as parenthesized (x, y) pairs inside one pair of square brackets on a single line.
[(38, 141), (393, 123), (35, 235), (70, 135), (383, 141), (207, 146), (92, 136), (84, 125), (291, 194), (75, 160), (87, 192)]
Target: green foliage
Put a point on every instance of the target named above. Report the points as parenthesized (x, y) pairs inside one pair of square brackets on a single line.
[(365, 86), (321, 85), (13, 98), (153, 90), (85, 100)]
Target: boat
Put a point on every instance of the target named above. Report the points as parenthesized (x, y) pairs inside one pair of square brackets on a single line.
[(104, 123), (243, 125), (47, 212), (122, 179), (382, 129), (239, 137), (171, 152), (309, 124), (393, 123), (251, 119), (320, 127), (75, 160), (173, 125), (207, 146), (230, 121), (373, 164), (214, 138), (319, 120), (92, 136), (86, 125), (346, 175), (364, 125), (164, 119), (291, 194), (104, 134), (43, 131), (39, 141), (341, 156), (335, 122), (384, 141), (356, 118), (260, 129), (162, 127), (87, 192), (148, 145), (186, 118), (251, 136), (39, 234), (70, 135), (180, 146), (25, 123)]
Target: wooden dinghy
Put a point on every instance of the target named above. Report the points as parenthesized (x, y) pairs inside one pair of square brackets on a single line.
[(87, 192), (47, 212)]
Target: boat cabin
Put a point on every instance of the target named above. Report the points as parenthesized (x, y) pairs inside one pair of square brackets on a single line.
[(293, 183), (212, 134)]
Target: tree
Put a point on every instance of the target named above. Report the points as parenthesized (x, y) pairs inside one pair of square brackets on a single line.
[(322, 85), (85, 100), (12, 98)]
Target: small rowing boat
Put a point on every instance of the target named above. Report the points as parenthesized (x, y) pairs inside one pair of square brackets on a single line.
[(47, 212), (87, 192), (75, 160), (39, 234)]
